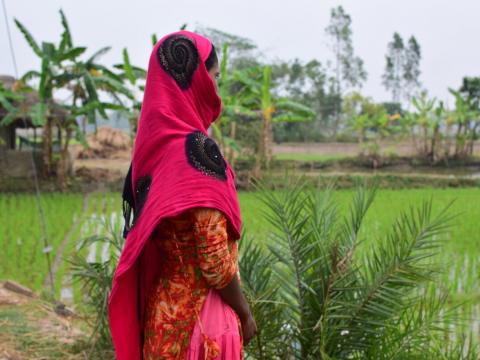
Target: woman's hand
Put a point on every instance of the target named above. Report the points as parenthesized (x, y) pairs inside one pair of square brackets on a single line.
[(249, 328)]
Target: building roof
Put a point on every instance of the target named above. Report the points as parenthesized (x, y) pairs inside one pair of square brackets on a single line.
[(30, 99)]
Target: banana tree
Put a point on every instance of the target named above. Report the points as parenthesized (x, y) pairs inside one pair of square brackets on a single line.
[(50, 77), (423, 119), (62, 68), (467, 120), (133, 78), (272, 109), (235, 106)]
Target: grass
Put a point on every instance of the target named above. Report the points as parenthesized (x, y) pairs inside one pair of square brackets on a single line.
[(21, 235), (464, 237), (32, 331), (310, 157), (20, 231)]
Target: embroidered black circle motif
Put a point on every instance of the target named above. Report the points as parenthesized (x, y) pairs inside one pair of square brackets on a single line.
[(204, 155), (142, 187), (178, 56)]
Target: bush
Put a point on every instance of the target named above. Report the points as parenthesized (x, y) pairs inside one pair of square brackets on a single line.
[(96, 281), (315, 296)]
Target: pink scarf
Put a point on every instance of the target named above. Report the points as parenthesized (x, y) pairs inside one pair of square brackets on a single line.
[(175, 166)]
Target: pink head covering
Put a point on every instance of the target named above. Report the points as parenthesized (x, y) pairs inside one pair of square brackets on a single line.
[(175, 166)]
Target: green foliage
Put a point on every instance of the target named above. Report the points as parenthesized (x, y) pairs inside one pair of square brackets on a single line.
[(440, 134), (339, 304), (96, 279), (306, 84)]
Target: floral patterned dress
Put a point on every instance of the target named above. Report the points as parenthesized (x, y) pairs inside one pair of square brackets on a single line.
[(197, 256)]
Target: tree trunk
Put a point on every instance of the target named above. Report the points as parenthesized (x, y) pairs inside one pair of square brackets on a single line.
[(425, 140), (457, 141), (472, 139), (47, 147), (261, 158), (62, 166), (233, 135), (269, 143), (434, 144), (447, 144)]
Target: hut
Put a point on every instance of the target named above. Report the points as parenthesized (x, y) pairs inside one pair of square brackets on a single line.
[(20, 138)]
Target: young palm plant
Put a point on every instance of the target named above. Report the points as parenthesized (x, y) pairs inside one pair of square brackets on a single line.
[(96, 279), (336, 299)]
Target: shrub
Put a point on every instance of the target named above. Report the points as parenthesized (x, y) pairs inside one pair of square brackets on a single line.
[(315, 295)]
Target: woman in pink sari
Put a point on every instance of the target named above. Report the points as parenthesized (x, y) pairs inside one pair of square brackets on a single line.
[(176, 291)]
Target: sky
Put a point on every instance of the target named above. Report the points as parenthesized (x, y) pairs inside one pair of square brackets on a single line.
[(448, 31)]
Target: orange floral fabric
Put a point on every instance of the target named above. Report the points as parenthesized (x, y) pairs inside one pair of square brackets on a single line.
[(197, 255)]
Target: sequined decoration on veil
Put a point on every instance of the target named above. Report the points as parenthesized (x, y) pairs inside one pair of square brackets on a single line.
[(178, 56), (204, 155)]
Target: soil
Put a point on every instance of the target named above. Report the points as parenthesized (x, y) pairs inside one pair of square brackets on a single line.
[(401, 149), (32, 328), (106, 160)]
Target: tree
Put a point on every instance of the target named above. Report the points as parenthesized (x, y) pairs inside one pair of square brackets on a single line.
[(411, 70), (306, 83), (466, 117), (395, 61), (61, 68), (234, 89), (349, 69), (402, 68), (270, 108), (52, 58)]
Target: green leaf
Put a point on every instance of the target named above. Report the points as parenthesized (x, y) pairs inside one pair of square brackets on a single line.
[(43, 87), (98, 54), (9, 118), (49, 50), (90, 86), (294, 107), (127, 67), (282, 118), (71, 54), (30, 40), (154, 39), (29, 75), (66, 35), (38, 114)]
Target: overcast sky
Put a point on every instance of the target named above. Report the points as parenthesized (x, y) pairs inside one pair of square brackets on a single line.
[(448, 31)]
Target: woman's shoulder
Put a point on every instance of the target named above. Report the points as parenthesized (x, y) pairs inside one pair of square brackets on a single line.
[(206, 215), (195, 216)]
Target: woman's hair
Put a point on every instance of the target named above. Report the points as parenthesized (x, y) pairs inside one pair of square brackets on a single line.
[(212, 59)]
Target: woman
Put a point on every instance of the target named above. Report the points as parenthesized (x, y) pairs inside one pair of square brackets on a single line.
[(176, 292)]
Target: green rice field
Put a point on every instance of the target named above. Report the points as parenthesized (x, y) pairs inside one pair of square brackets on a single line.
[(71, 217)]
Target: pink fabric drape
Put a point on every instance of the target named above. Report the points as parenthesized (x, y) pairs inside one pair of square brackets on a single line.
[(220, 324)]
